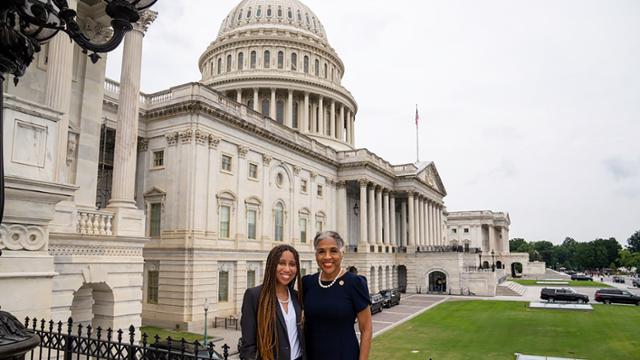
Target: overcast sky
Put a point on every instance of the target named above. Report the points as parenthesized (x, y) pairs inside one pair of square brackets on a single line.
[(530, 107)]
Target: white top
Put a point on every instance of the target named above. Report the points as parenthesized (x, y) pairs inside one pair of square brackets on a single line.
[(292, 328)]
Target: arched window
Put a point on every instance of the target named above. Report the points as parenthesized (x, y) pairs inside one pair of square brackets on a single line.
[(254, 59), (278, 222), (280, 59), (229, 63), (294, 61), (299, 16), (267, 59), (279, 11), (280, 111), (240, 60), (240, 15), (249, 13), (294, 118), (259, 12), (306, 64), (265, 107), (317, 67), (325, 70), (333, 78), (219, 65), (289, 13), (269, 11), (250, 104)]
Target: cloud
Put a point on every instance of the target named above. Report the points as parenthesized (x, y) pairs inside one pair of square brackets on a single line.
[(621, 169)]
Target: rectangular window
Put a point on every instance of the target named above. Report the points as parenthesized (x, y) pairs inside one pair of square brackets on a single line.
[(319, 225), (154, 219), (158, 158), (320, 190), (251, 279), (223, 286), (251, 224), (253, 171), (226, 163), (153, 277), (303, 230), (225, 212), (466, 230), (454, 230), (303, 185)]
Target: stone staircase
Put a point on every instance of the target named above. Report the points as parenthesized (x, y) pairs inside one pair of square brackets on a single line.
[(510, 288)]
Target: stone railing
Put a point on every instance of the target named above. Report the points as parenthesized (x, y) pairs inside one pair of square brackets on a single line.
[(364, 155), (94, 223)]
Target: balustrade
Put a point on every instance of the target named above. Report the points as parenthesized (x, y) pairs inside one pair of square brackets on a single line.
[(95, 223)]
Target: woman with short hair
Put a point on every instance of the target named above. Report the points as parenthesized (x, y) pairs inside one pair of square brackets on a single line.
[(333, 300), (271, 321)]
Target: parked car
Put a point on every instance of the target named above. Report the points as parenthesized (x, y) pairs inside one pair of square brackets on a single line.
[(571, 272), (391, 297), (581, 277), (618, 279), (635, 282), (563, 294), (609, 296), (376, 303)]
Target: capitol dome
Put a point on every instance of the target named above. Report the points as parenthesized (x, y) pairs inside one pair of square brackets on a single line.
[(274, 57), (277, 13)]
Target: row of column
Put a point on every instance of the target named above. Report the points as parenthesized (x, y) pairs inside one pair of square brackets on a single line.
[(340, 125), (425, 221), (377, 215)]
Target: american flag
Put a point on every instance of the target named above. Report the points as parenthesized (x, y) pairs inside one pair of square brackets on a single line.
[(417, 116)]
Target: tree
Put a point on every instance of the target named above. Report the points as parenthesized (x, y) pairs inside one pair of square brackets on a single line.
[(518, 245), (633, 243)]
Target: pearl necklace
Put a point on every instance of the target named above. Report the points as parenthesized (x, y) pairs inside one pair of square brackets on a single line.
[(285, 301), (332, 282)]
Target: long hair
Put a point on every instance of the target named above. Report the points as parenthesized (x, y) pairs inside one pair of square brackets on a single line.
[(267, 318)]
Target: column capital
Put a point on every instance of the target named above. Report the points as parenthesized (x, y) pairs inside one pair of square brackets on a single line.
[(146, 18), (363, 182), (341, 183)]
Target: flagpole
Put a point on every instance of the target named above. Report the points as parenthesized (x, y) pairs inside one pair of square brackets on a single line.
[(417, 137)]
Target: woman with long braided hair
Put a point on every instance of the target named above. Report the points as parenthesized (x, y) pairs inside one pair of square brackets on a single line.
[(271, 321)]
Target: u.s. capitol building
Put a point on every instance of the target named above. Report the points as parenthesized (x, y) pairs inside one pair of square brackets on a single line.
[(125, 207)]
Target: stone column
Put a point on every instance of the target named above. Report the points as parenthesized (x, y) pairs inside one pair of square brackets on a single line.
[(420, 223), (272, 104), (347, 132), (58, 93), (372, 215), (429, 223), (403, 223), (364, 239), (492, 238), (353, 129), (342, 208), (321, 129), (439, 224), (412, 219), (256, 99), (332, 118), (305, 117), (387, 219), (392, 219), (378, 215), (416, 209), (239, 96), (341, 123), (432, 220), (126, 147), (289, 117), (505, 240)]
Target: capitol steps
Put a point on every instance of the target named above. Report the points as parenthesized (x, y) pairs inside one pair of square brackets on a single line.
[(510, 288)]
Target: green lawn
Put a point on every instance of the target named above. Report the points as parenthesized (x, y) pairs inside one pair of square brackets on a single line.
[(152, 331), (498, 329), (571, 283)]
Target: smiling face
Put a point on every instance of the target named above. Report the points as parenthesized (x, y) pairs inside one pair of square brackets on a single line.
[(286, 270), (329, 256)]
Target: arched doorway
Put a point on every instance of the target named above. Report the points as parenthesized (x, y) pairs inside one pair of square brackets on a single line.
[(92, 304), (402, 278), (352, 269), (498, 264), (437, 282), (485, 264), (516, 269)]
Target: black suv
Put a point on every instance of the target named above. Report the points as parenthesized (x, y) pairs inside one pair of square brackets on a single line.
[(609, 296), (564, 294), (391, 297), (581, 277), (376, 303)]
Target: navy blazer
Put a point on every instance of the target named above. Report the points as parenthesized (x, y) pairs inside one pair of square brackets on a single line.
[(249, 327)]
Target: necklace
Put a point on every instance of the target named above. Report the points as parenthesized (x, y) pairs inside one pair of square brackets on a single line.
[(332, 282), (284, 301)]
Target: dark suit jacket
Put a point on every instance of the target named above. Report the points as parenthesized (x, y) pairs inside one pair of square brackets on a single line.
[(249, 327)]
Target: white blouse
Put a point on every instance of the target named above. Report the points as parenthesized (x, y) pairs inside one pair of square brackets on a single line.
[(292, 328)]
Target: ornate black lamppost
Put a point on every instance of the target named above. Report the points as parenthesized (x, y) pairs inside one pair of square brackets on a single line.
[(480, 265), (24, 26)]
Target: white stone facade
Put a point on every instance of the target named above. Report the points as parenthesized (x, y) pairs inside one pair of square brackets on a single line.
[(150, 204)]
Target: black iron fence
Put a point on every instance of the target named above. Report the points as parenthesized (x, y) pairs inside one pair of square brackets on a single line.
[(66, 341)]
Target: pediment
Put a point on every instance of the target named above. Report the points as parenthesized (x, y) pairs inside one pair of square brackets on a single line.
[(430, 176), (155, 191)]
